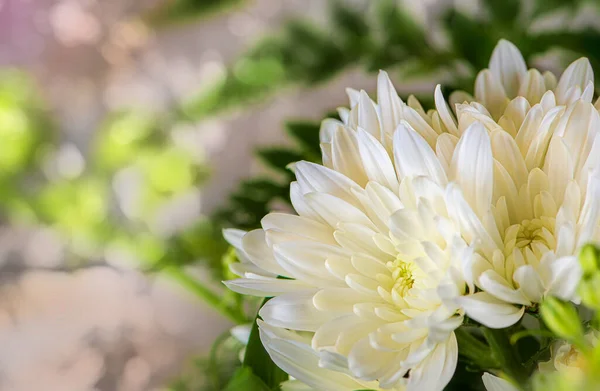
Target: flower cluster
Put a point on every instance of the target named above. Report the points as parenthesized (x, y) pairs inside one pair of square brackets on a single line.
[(417, 218)]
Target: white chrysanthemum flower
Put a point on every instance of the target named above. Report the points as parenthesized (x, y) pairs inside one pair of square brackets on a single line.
[(538, 195), (415, 216)]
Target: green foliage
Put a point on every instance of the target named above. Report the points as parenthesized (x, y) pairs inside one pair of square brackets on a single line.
[(258, 360), (244, 379), (256, 197), (177, 11)]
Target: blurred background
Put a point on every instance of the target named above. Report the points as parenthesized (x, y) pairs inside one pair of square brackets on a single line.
[(133, 131)]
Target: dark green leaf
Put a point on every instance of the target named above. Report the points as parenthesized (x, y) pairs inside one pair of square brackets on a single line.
[(244, 379), (258, 360), (279, 158), (306, 133), (503, 11), (467, 34)]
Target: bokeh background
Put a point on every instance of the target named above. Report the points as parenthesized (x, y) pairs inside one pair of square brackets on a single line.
[(132, 131)]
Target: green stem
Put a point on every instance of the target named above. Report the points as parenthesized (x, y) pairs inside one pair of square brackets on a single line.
[(506, 355), (476, 351), (211, 298)]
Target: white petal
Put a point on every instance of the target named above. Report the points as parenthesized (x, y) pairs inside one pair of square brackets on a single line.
[(578, 74), (533, 86), (490, 311), (345, 156), (471, 226), (444, 111), (530, 283), (298, 225), (489, 91), (414, 156), (266, 287), (389, 103), (367, 115), (472, 168), (437, 370), (255, 245), (494, 383), (494, 284), (294, 311), (565, 274), (335, 210), (314, 177), (508, 66), (376, 161), (300, 361)]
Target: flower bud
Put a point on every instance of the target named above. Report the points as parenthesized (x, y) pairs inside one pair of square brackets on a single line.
[(562, 319)]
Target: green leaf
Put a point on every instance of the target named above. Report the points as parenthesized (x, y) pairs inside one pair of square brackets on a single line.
[(175, 11), (279, 158), (306, 133), (466, 34), (244, 379), (504, 11), (257, 359)]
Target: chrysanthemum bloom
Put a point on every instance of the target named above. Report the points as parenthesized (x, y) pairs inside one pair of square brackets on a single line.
[(415, 215)]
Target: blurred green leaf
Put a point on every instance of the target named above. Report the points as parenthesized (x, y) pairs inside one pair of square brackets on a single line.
[(279, 158), (176, 11), (257, 359), (504, 11), (466, 34), (244, 379), (306, 133)]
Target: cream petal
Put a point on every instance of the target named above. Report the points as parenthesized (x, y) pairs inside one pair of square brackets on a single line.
[(377, 163), (506, 152), (471, 227), (444, 111), (301, 226), (494, 383), (389, 103), (305, 260), (335, 210), (255, 245), (533, 86), (590, 212), (300, 361), (266, 287), (529, 127), (490, 311), (294, 311), (508, 66), (338, 301), (559, 168), (495, 285), (444, 149), (300, 205), (358, 239), (472, 168), (345, 156), (578, 74), (489, 91), (312, 177), (436, 371), (565, 274), (530, 283), (414, 157)]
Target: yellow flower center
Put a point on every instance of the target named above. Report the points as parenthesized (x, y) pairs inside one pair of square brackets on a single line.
[(531, 237), (402, 274)]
